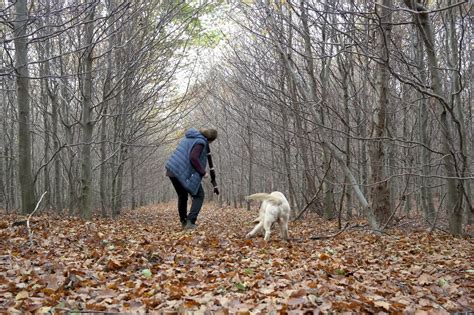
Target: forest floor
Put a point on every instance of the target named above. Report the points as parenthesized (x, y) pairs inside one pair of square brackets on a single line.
[(144, 262)]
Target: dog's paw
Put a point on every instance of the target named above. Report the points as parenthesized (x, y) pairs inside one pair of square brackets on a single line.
[(248, 236)]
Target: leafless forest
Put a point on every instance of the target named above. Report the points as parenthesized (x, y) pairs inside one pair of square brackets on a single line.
[(351, 108)]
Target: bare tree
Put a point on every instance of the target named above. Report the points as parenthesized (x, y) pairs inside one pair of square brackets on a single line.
[(380, 188), (23, 100)]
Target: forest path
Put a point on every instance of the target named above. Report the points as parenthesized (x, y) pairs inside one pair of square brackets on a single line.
[(144, 261)]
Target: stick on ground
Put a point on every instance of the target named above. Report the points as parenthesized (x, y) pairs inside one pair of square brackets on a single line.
[(30, 233), (324, 237)]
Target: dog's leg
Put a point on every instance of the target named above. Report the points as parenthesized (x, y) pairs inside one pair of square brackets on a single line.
[(267, 225), (283, 229), (255, 230)]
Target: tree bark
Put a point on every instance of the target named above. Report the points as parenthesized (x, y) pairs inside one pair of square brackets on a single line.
[(426, 193), (329, 202), (87, 123), (308, 57), (455, 195), (57, 191), (23, 100), (380, 189), (344, 69), (456, 90), (132, 179)]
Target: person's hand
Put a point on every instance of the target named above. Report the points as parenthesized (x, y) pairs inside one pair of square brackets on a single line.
[(205, 175)]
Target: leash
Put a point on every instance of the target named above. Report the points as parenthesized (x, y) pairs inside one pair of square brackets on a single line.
[(211, 170)]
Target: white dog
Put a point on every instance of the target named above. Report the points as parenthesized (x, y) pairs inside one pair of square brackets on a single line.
[(274, 208)]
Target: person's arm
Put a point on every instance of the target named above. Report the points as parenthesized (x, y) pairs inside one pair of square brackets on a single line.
[(194, 158), (212, 171)]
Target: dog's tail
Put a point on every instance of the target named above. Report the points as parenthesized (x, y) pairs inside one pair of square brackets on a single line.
[(264, 196)]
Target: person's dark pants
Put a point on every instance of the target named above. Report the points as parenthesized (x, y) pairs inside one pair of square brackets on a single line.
[(196, 204)]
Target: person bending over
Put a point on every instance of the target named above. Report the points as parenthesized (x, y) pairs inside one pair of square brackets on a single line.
[(186, 167)]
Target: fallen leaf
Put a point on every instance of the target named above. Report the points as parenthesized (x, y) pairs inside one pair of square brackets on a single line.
[(21, 295), (298, 293), (43, 310), (425, 279), (146, 273), (324, 256), (54, 281), (325, 306), (266, 290), (113, 264), (296, 301), (383, 304), (240, 286)]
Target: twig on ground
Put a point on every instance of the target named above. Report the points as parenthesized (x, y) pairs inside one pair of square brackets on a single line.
[(30, 232), (323, 237)]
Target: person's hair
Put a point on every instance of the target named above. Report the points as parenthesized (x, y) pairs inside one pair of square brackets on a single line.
[(210, 134)]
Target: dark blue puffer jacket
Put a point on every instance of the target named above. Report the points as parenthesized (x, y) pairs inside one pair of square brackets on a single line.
[(180, 164)]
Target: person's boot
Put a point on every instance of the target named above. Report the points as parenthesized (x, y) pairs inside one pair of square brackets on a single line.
[(189, 225), (183, 224)]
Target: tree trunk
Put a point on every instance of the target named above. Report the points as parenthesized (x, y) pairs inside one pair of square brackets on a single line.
[(57, 179), (426, 195), (329, 202), (250, 154), (87, 123), (380, 189), (310, 180), (46, 126), (64, 113), (23, 100), (456, 90), (3, 161), (344, 67), (455, 195), (132, 178), (103, 163), (117, 184)]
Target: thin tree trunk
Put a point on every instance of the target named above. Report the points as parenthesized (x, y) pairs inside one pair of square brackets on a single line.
[(408, 162), (70, 173), (4, 202), (344, 69), (103, 163), (47, 133), (380, 189), (426, 195), (301, 132), (3, 161), (64, 113), (87, 122), (117, 184), (23, 100), (12, 179), (57, 191), (329, 203), (456, 89), (46, 126), (132, 178), (250, 154)]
